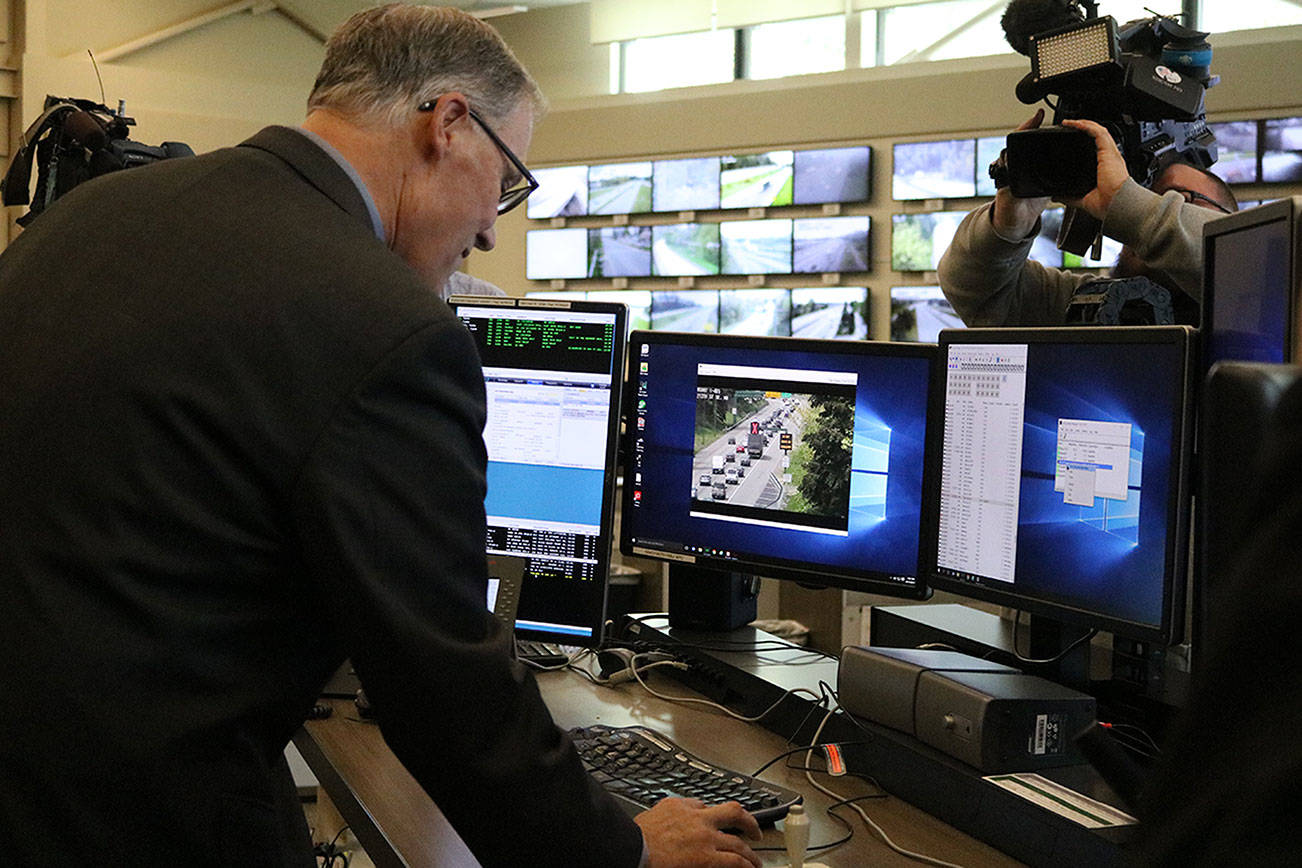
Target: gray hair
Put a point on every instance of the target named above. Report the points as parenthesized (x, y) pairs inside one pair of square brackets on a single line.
[(382, 63)]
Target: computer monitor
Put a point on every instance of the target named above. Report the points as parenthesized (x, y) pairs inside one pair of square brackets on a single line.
[(919, 313), (552, 371), (1059, 461), (934, 170), (777, 457), (1251, 284)]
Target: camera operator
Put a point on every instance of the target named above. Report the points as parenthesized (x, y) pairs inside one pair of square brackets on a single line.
[(988, 279)]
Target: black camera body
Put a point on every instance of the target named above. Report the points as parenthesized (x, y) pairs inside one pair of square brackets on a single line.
[(71, 142), (1144, 81)]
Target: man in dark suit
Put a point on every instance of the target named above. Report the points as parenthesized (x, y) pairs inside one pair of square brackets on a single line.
[(240, 439)]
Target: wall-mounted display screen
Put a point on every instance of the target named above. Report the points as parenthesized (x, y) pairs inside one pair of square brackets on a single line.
[(619, 251), (1236, 147), (619, 188), (1281, 150), (638, 302), (918, 313), (685, 185), (688, 310), (934, 170), (987, 151), (755, 312), (562, 192), (685, 249), (919, 240), (552, 254), (1107, 257), (756, 180), (557, 294), (1044, 249), (827, 244), (755, 247), (839, 312), (832, 175)]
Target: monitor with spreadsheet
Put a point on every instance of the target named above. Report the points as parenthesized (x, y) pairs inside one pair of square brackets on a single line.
[(552, 372), (1059, 461), (777, 457)]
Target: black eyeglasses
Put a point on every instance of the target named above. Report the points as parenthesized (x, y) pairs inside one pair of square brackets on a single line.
[(1193, 197), (515, 195)]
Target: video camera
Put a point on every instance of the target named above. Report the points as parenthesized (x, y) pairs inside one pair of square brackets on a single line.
[(73, 141), (1143, 81)]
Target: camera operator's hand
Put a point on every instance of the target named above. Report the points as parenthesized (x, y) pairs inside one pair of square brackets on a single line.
[(684, 833), (1014, 218), (1111, 170)]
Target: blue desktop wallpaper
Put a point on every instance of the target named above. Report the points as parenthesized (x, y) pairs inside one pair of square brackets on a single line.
[(886, 480), (1111, 558)]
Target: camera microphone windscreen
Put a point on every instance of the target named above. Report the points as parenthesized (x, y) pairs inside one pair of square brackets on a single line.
[(85, 130), (1023, 19)]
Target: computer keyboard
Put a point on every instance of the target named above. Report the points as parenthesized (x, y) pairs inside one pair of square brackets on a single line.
[(542, 653), (641, 766)]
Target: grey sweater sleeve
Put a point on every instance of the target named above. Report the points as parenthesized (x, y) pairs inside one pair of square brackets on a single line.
[(990, 282), (1165, 231)]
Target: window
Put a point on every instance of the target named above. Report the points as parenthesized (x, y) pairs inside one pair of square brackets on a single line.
[(909, 33), (688, 59), (796, 47), (1219, 16)]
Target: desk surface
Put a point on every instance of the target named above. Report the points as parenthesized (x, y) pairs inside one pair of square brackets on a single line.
[(397, 824)]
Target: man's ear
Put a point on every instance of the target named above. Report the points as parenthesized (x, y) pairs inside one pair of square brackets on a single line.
[(448, 116)]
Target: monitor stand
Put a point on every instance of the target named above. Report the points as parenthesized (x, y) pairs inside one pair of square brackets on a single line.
[(706, 599)]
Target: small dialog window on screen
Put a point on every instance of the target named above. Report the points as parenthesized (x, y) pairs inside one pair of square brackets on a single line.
[(1098, 467)]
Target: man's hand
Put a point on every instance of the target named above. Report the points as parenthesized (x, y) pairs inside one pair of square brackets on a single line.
[(1014, 218), (1111, 170), (683, 833)]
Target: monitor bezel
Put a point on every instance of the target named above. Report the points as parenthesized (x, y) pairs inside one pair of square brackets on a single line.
[(1178, 505), (609, 460), (865, 582), (1287, 210)]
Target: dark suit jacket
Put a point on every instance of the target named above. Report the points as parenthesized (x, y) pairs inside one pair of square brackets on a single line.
[(240, 441)]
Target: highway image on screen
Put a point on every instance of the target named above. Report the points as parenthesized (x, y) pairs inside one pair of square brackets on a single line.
[(755, 247), (1044, 249), (831, 175), (1281, 151), (919, 240), (685, 249), (638, 302), (831, 312), (755, 312), (756, 180), (619, 188), (918, 313), (686, 185), (562, 192), (1236, 151), (619, 251), (987, 151), (693, 310), (934, 170), (826, 244), (777, 448)]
